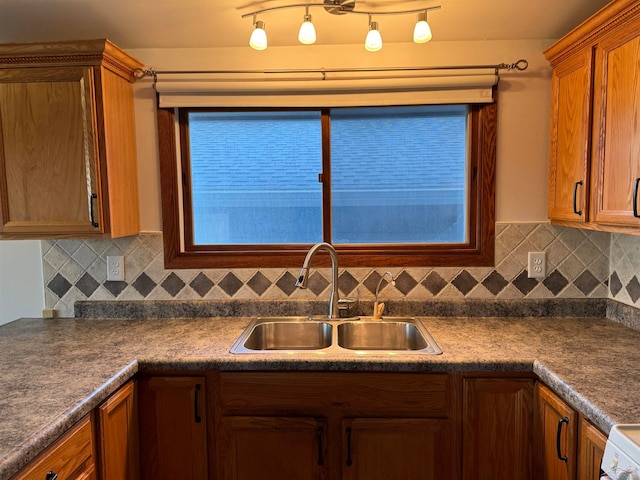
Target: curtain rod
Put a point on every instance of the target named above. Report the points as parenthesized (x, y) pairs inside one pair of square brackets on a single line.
[(519, 65)]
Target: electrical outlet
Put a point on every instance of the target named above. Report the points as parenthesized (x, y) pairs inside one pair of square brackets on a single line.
[(537, 265), (115, 268)]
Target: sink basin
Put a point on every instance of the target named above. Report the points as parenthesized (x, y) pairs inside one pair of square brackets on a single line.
[(380, 335), (303, 334), (288, 334)]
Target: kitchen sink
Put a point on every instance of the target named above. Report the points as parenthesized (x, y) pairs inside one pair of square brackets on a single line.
[(346, 336), (289, 335), (380, 335)]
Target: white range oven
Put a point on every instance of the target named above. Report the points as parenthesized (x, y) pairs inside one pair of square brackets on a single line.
[(621, 460)]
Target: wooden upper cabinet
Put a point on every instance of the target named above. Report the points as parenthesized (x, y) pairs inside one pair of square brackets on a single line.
[(570, 137), (67, 141), (594, 169), (616, 149)]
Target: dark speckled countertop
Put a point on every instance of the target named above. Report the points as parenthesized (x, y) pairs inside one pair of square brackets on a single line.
[(55, 371)]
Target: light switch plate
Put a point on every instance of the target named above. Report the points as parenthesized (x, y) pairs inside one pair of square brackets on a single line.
[(115, 268)]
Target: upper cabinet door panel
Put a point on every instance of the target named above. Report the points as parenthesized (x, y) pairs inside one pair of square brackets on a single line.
[(47, 157), (617, 127), (570, 137)]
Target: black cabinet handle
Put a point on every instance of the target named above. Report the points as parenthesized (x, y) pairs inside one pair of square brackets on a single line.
[(91, 212), (320, 453), (575, 198), (558, 435), (51, 475), (196, 404), (635, 198), (349, 462)]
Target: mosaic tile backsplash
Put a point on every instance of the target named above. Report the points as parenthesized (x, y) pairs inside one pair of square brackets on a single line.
[(578, 266)]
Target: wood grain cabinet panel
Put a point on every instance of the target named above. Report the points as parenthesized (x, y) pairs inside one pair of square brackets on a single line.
[(594, 168), (173, 428), (570, 139), (337, 425), (272, 448), (71, 457), (67, 141), (498, 428), (617, 119), (118, 435), (591, 444), (384, 448)]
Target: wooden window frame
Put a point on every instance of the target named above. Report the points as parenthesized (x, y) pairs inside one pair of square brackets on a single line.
[(478, 251)]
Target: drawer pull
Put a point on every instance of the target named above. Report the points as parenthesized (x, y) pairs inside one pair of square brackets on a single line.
[(635, 198), (320, 455), (575, 198), (51, 475), (558, 435), (196, 404), (91, 212)]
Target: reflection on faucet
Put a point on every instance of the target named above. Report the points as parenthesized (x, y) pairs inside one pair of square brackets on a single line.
[(303, 278)]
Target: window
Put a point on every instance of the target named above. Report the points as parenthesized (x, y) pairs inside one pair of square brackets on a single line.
[(404, 185)]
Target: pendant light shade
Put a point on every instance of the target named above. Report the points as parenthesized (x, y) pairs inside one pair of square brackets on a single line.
[(258, 40), (422, 30), (373, 42), (307, 33)]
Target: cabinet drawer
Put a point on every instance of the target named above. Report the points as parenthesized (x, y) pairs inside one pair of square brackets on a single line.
[(384, 394), (71, 456)]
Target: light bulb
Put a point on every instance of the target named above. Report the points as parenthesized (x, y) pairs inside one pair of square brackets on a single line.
[(373, 42), (422, 31), (307, 33), (258, 40)]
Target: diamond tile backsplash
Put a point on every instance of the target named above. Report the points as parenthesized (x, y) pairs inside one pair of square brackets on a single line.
[(578, 266)]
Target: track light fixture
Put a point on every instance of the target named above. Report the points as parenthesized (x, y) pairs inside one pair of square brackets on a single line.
[(258, 40), (307, 32)]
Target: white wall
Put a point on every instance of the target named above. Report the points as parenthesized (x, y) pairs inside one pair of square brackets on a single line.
[(21, 284), (523, 123)]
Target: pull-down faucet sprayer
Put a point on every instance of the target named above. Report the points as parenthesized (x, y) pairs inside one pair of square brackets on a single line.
[(303, 278)]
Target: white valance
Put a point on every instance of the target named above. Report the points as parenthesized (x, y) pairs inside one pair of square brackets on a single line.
[(324, 89)]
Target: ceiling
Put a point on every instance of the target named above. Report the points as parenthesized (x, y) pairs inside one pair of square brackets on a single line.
[(133, 24)]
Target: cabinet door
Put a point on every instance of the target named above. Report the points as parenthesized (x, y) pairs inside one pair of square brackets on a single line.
[(117, 433), (398, 448), (48, 158), (272, 448), (71, 457), (570, 137), (591, 444), (173, 435), (617, 117), (497, 428), (555, 434)]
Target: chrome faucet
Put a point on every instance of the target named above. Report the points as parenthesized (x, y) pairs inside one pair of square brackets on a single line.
[(303, 278)]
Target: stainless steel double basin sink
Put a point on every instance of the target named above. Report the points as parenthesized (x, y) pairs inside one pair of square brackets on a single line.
[(322, 335)]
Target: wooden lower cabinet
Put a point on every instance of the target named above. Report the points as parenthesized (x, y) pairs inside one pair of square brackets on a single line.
[(330, 426), (272, 447), (497, 428), (591, 443), (118, 435), (568, 447), (71, 457), (173, 428), (385, 448)]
